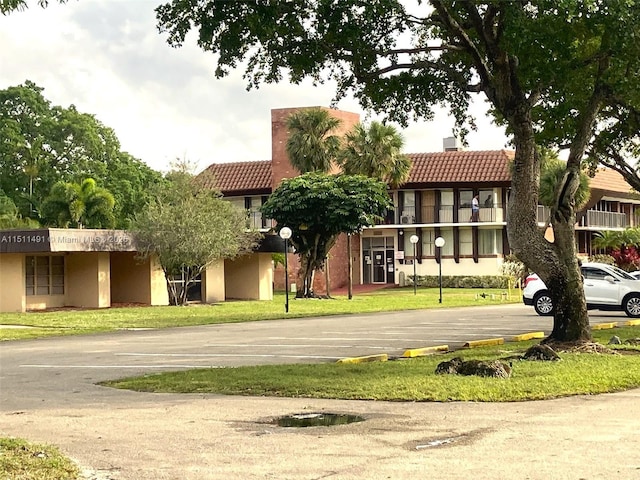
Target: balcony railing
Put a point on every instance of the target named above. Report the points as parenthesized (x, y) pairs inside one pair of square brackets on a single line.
[(594, 218), (256, 221), (407, 215)]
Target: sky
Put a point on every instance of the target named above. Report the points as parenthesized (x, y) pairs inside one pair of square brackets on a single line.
[(107, 58)]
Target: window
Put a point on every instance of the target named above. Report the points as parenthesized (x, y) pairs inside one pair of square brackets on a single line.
[(447, 249), (489, 242), (428, 243), (465, 197), (466, 241), (44, 275)]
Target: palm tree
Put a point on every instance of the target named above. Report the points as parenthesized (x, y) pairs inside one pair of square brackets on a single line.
[(375, 152), (80, 205), (311, 146)]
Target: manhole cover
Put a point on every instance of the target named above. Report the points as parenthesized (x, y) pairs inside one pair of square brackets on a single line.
[(317, 420)]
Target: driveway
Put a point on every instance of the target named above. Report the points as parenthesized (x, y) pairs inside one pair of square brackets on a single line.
[(48, 394)]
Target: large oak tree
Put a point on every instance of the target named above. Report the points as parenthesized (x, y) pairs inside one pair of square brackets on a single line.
[(550, 70)]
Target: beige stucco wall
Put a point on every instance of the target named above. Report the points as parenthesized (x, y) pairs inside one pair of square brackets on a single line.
[(249, 277), (137, 281), (88, 279), (213, 283), (130, 279), (12, 286)]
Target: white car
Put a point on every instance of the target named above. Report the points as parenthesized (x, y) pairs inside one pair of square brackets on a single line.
[(605, 288)]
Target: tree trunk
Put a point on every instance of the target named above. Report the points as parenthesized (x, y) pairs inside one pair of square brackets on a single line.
[(556, 263), (350, 267)]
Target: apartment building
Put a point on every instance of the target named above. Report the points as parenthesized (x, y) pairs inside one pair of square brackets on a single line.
[(436, 201)]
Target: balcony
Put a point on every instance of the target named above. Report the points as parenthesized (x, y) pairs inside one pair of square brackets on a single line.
[(407, 215), (256, 221), (594, 218)]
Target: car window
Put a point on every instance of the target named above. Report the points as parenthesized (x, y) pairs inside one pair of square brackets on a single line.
[(593, 273), (622, 273)]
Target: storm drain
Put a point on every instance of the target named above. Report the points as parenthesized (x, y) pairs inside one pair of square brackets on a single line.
[(317, 420)]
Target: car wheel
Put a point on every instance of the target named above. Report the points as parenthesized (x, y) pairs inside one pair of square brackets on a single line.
[(543, 305), (632, 306)]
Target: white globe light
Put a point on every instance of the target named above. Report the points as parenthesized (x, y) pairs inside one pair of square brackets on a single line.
[(285, 233), (439, 242), (413, 239)]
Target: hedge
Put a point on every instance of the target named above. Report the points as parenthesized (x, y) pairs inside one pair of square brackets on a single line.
[(458, 281)]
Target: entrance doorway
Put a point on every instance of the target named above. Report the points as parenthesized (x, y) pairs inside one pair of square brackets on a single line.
[(378, 263)]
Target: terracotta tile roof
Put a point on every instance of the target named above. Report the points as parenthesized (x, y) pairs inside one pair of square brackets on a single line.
[(491, 166), (429, 169), (611, 181), (237, 177)]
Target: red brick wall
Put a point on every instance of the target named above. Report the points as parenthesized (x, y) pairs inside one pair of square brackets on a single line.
[(338, 268), (280, 166)]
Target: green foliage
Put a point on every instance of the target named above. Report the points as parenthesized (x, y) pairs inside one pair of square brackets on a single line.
[(188, 228), (603, 258), (79, 205), (44, 144), (610, 239), (319, 207), (10, 217), (375, 152), (460, 281), (311, 146), (8, 6)]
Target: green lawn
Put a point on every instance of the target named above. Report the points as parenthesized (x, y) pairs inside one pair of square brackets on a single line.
[(21, 460), (75, 322)]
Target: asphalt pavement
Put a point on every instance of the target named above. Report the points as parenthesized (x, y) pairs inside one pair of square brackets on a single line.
[(48, 393)]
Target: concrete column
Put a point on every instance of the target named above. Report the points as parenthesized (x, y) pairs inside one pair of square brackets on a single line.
[(12, 283), (213, 283)]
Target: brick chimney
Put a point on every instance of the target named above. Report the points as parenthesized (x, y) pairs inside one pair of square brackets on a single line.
[(280, 166)]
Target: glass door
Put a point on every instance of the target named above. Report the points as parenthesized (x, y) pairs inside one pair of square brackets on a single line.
[(379, 267)]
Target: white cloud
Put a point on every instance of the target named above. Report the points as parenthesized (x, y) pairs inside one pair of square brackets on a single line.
[(107, 58)]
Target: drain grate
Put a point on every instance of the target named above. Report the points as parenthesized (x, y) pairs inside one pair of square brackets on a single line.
[(317, 420)]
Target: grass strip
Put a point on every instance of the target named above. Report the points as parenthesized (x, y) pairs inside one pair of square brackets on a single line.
[(21, 460), (414, 379)]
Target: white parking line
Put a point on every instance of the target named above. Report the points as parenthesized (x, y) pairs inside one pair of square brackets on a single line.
[(307, 345), (214, 355), (121, 366), (342, 338)]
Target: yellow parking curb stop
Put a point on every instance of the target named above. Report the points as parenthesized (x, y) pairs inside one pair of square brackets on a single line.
[(383, 357), (528, 336), (418, 352), (484, 343)]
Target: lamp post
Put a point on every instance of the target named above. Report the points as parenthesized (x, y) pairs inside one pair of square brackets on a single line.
[(414, 240), (285, 234), (439, 244)]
